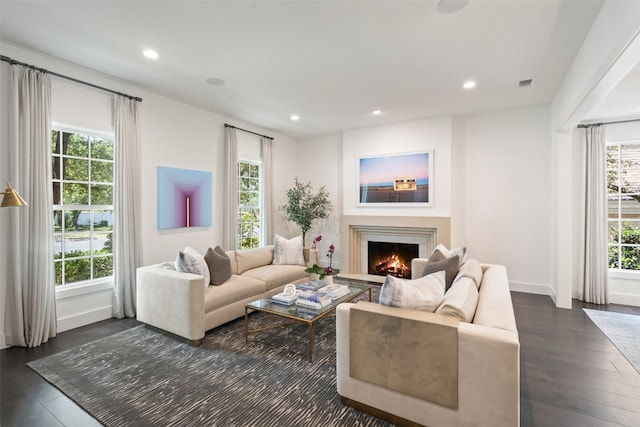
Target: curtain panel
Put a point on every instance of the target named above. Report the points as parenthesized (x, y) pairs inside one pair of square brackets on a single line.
[(30, 312), (267, 189), (126, 206), (595, 263), (230, 214)]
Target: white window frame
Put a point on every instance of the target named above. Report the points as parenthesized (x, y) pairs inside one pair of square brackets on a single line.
[(620, 272), (66, 290)]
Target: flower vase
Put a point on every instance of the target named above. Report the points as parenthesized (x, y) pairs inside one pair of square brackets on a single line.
[(314, 276), (328, 279)]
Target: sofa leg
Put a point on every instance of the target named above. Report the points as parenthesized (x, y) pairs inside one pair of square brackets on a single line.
[(195, 343)]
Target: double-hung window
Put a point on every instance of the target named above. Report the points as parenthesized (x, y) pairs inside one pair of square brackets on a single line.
[(249, 204), (623, 204), (82, 177)]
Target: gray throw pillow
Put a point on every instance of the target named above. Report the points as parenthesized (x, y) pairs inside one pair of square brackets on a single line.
[(219, 265), (449, 265)]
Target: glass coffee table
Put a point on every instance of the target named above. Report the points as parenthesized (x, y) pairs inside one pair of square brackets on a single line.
[(295, 313)]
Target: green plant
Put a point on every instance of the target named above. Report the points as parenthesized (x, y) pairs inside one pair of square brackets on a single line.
[(304, 206)]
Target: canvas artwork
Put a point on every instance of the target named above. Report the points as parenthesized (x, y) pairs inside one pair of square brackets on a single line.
[(184, 198), (396, 179)]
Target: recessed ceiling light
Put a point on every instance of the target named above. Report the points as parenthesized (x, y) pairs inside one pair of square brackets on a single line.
[(376, 112), (215, 81), (150, 53), (295, 117), (469, 84)]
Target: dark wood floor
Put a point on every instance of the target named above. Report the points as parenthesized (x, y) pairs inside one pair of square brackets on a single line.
[(571, 375)]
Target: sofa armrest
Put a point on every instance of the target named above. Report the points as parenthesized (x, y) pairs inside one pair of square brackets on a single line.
[(488, 379), (172, 301), (417, 267)]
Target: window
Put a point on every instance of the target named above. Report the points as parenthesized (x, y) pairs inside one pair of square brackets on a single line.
[(82, 206), (623, 201), (249, 204)]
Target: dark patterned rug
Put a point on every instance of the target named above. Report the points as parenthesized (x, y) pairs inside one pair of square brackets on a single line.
[(622, 329), (140, 377)]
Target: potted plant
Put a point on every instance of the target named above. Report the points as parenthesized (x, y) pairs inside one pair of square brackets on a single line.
[(304, 206)]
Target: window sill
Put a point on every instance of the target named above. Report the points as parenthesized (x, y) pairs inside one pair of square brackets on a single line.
[(624, 274), (70, 291)]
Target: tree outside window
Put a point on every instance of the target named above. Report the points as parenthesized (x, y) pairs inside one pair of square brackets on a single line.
[(82, 179), (623, 203), (249, 205)]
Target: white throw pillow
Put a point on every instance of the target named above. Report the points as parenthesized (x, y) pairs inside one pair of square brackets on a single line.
[(287, 251), (424, 293), (191, 261), (461, 300), (461, 252)]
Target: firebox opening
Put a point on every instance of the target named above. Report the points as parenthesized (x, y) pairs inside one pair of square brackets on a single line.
[(394, 259)]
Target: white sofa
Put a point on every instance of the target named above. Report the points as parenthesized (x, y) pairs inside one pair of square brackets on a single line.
[(487, 390), (179, 304)]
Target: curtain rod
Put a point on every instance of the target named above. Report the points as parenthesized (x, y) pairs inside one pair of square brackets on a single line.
[(248, 131), (33, 67), (607, 123)]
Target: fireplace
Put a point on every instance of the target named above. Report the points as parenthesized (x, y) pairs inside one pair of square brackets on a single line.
[(391, 259)]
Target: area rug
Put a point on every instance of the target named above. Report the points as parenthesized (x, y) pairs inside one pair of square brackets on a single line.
[(140, 377), (623, 330)]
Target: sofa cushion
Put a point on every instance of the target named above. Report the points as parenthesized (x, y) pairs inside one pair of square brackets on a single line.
[(219, 265), (252, 258), (235, 289), (288, 251), (424, 293), (189, 260), (471, 269), (276, 275), (461, 300), (448, 265)]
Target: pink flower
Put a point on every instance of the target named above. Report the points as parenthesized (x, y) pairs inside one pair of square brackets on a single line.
[(315, 242), (329, 269)]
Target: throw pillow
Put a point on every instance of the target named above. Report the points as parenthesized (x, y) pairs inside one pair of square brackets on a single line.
[(288, 251), (471, 269), (424, 293), (448, 265), (190, 261), (219, 265), (461, 300), (461, 252)]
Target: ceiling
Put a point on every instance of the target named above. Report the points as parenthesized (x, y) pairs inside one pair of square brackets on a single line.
[(330, 62)]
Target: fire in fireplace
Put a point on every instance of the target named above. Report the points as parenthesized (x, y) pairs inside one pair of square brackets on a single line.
[(393, 259)]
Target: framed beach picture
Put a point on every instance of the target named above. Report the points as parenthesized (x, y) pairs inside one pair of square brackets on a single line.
[(396, 179), (184, 198)]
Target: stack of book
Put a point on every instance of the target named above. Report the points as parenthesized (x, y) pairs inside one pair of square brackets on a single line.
[(282, 298), (312, 285), (312, 299), (334, 291)]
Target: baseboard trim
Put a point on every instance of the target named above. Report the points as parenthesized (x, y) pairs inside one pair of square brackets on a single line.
[(85, 318), (533, 288), (624, 299)]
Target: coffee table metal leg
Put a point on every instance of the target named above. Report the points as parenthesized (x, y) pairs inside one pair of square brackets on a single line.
[(311, 342), (246, 324)]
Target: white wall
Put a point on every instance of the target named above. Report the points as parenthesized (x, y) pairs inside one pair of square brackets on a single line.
[(502, 197), (172, 134)]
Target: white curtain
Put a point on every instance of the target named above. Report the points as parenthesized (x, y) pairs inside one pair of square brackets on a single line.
[(126, 206), (230, 215), (595, 274), (30, 312), (267, 187)]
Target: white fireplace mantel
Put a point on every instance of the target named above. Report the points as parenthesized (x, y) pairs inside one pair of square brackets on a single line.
[(355, 231)]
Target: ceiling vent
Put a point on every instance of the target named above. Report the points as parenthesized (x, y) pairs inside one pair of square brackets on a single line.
[(525, 83)]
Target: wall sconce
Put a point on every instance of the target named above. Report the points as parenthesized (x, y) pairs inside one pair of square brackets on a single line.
[(11, 198)]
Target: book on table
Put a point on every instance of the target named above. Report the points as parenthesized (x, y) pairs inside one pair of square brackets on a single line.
[(312, 299), (283, 298), (311, 285), (334, 291)]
